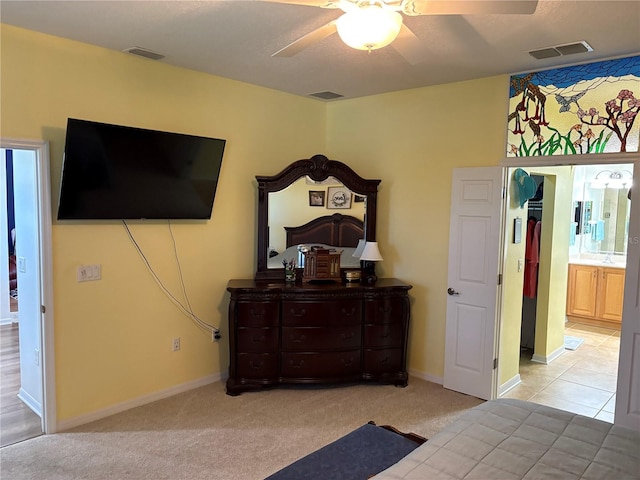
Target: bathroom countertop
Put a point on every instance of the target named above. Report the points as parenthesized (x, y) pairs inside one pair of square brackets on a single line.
[(599, 260)]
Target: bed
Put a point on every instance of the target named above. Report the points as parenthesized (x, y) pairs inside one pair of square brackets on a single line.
[(514, 439), (338, 231), (505, 439)]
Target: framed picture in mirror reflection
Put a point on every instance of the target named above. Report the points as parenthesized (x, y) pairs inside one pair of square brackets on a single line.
[(339, 197), (316, 198)]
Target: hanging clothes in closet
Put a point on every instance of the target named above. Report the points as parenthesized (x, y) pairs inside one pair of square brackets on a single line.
[(532, 257)]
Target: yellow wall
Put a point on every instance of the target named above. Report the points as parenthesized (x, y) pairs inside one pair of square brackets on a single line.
[(113, 337), (512, 285), (552, 272), (554, 258), (411, 140)]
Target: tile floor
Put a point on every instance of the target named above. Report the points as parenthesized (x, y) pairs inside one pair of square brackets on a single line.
[(581, 381)]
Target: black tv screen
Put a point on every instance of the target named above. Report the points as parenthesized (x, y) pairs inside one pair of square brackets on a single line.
[(114, 172)]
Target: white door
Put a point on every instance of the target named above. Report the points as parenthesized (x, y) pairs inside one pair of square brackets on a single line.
[(628, 390), (472, 295)]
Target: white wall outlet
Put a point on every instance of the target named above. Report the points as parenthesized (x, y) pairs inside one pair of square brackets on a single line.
[(22, 265), (176, 344), (89, 273), (36, 357)]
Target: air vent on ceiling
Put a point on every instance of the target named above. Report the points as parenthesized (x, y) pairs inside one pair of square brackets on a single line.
[(558, 50), (326, 95), (143, 52)]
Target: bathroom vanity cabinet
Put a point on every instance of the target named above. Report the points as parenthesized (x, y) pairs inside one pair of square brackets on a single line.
[(595, 294)]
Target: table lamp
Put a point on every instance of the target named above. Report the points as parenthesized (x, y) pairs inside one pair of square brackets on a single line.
[(370, 255)]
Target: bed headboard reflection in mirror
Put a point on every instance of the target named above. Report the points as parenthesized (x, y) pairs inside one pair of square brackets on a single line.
[(313, 201)]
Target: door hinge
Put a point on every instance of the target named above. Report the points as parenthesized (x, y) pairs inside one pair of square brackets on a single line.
[(495, 363), (42, 309), (499, 279)]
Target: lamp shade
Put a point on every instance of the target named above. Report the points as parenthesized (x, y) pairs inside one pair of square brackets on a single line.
[(369, 27), (359, 248), (371, 252)]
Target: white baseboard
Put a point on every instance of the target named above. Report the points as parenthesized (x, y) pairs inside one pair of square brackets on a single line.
[(135, 402), (12, 318), (426, 376), (549, 358), (30, 402), (509, 384)]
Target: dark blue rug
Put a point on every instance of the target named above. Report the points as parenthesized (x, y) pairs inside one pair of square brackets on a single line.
[(360, 454)]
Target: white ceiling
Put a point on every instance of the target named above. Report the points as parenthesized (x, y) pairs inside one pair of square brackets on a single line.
[(236, 38)]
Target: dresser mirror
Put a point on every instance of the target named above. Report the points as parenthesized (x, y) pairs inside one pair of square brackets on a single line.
[(313, 201)]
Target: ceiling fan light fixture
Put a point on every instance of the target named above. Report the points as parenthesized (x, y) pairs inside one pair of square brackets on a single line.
[(369, 28)]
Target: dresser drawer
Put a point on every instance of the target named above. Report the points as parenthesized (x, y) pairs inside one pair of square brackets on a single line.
[(384, 310), (258, 314), (259, 340), (384, 335), (316, 314), (381, 361), (257, 365), (320, 365), (321, 338)]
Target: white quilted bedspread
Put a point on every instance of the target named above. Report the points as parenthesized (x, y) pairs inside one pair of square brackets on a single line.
[(513, 439)]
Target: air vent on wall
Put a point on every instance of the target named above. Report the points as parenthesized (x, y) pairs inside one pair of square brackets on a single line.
[(558, 50), (326, 95), (143, 52)]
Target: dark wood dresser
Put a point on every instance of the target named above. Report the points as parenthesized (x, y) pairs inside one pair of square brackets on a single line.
[(317, 333)]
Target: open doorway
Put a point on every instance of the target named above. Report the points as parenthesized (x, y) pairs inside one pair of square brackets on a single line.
[(27, 330), (569, 334)]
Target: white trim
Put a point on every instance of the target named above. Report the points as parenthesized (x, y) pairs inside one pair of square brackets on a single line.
[(137, 402), (549, 358), (11, 319), (559, 160), (41, 149), (30, 402), (509, 384), (426, 376)]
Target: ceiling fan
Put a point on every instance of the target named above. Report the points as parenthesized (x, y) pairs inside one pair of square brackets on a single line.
[(372, 24)]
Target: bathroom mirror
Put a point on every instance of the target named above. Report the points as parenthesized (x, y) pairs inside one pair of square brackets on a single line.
[(347, 213), (607, 229)]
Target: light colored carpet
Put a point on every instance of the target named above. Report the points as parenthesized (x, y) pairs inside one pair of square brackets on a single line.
[(206, 434)]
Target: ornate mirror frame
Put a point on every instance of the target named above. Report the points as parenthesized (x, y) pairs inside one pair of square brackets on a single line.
[(317, 168)]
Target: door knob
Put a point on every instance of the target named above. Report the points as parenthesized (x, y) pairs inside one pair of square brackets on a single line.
[(451, 291)]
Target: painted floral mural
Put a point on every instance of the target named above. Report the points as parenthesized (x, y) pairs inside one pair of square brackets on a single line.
[(582, 109)]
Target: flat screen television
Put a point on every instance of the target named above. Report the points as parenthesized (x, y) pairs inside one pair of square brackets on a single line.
[(114, 172)]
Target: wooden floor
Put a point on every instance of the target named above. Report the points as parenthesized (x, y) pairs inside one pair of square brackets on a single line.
[(17, 421)]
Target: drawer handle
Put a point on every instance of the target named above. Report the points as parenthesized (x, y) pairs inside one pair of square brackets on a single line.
[(384, 309), (256, 365), (257, 338), (347, 336), (300, 313), (347, 362), (384, 361), (296, 363), (297, 338), (257, 313), (348, 314), (385, 334)]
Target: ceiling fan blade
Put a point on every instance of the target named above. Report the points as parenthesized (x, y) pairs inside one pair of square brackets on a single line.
[(309, 3), (469, 7), (409, 46), (309, 39)]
